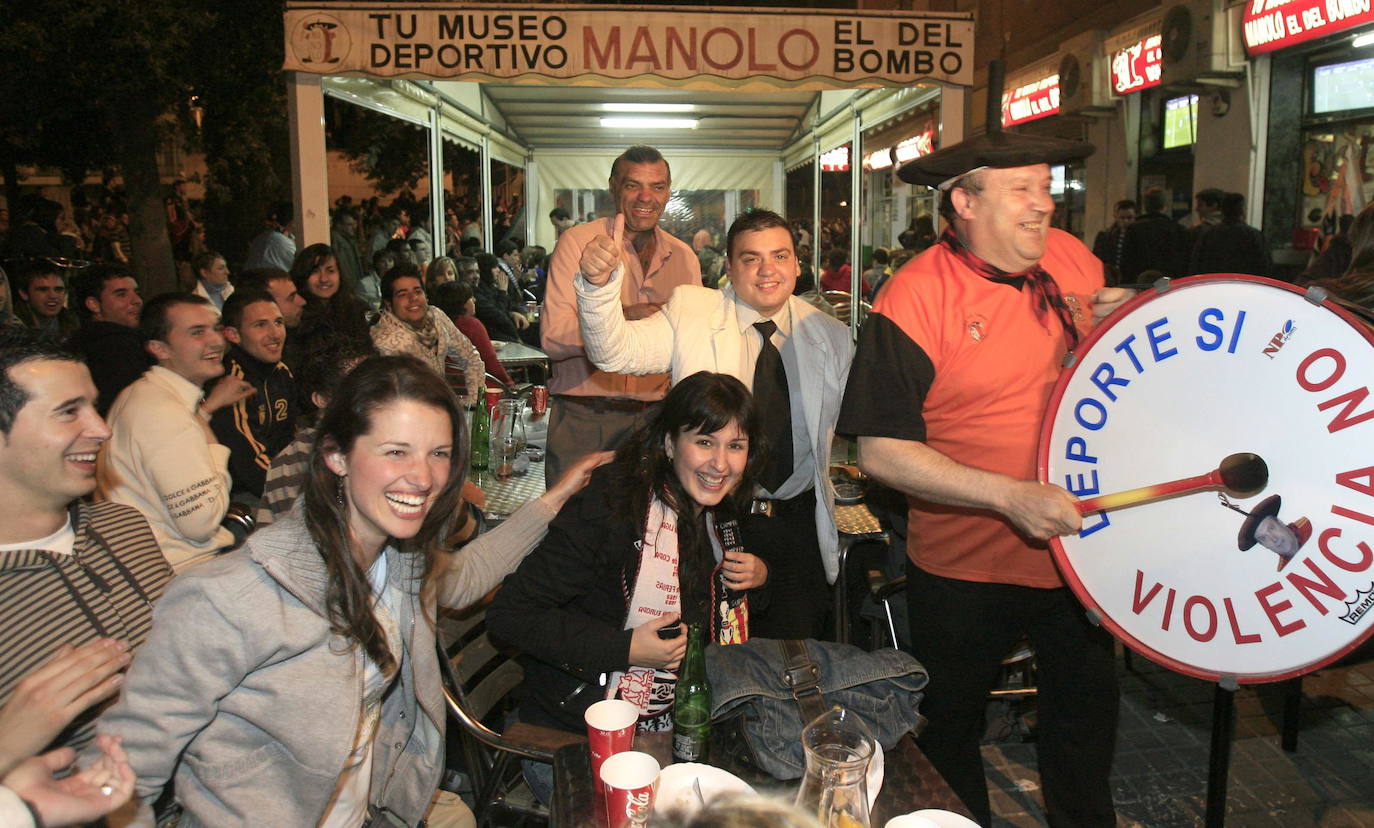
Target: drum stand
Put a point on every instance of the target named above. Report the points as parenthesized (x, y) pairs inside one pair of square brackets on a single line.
[(1224, 733), (1219, 756)]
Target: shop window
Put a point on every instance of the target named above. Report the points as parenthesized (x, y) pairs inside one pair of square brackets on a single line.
[(1337, 171)]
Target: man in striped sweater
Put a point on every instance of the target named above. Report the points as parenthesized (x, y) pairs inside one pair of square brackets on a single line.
[(71, 573)]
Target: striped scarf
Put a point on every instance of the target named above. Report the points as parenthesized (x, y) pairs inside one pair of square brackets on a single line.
[(1048, 298)]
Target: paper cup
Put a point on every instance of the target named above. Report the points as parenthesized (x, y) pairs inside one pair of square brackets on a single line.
[(629, 778), (610, 730)]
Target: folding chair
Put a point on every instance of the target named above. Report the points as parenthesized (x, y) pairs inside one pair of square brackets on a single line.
[(479, 681)]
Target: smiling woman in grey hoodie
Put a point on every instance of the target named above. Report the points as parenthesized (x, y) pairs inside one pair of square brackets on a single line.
[(295, 681)]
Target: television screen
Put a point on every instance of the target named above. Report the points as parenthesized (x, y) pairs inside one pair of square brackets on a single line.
[(1180, 121), (1339, 86)]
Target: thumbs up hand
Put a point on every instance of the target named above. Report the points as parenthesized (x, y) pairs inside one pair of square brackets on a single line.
[(602, 255)]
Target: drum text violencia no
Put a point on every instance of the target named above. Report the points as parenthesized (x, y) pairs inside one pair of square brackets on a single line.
[(455, 43), (1337, 396)]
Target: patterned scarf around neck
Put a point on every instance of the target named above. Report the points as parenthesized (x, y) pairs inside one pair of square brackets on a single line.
[(427, 333), (1048, 297)]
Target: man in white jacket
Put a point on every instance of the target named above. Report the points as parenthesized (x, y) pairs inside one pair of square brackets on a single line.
[(162, 458), (795, 360)]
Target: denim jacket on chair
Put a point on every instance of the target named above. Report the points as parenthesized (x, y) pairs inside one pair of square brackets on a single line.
[(883, 687)]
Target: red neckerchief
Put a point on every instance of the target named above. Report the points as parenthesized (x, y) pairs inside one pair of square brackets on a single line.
[(1043, 287)]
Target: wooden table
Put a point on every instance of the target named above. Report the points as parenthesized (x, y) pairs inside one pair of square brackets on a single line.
[(517, 356), (910, 783)]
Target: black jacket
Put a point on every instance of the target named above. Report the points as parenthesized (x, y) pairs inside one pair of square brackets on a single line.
[(494, 307), (115, 355), (565, 607), (1109, 246), (256, 428), (1232, 247), (1154, 242)]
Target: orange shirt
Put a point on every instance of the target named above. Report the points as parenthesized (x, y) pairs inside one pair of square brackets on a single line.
[(962, 362)]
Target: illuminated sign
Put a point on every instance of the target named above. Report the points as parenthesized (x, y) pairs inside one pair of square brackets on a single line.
[(1137, 66), (880, 160), (1270, 25), (916, 146), (836, 160), (738, 48), (1030, 101)]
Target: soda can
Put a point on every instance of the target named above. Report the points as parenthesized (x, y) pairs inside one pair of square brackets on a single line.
[(539, 400)]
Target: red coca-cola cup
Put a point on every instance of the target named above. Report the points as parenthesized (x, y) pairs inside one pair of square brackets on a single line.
[(493, 398), (630, 779), (539, 400), (610, 730)]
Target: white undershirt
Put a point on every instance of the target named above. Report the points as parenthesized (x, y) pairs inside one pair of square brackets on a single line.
[(61, 542), (348, 807)]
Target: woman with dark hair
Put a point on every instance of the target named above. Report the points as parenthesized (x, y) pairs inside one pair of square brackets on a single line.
[(650, 543), (919, 234), (838, 273), (329, 309), (295, 681), (456, 300), (500, 305)]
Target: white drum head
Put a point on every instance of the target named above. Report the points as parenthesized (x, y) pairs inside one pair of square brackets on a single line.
[(1279, 585)]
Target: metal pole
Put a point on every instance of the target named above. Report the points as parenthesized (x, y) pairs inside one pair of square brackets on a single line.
[(856, 189), (1219, 757), (437, 236), (816, 211), (489, 244)]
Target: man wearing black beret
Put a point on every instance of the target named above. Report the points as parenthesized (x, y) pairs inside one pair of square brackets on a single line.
[(946, 396)]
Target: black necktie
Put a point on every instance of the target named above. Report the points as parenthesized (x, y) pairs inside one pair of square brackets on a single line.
[(775, 409)]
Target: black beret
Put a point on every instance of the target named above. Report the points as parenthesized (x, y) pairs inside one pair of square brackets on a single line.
[(993, 149)]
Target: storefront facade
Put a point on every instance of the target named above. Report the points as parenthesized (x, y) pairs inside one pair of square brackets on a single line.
[(1319, 61), (424, 65), (1168, 99)]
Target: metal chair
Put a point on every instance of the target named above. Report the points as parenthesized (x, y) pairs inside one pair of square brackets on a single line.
[(478, 683), (1018, 674), (842, 302)]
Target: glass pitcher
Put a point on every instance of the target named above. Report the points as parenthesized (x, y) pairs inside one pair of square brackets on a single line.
[(507, 437), (838, 748)]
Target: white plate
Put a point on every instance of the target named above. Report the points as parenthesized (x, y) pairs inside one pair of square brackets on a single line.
[(675, 786), (946, 819)]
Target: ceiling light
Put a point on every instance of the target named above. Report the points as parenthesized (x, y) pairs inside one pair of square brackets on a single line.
[(1362, 41), (649, 123), (647, 107)]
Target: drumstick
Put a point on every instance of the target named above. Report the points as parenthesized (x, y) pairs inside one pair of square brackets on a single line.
[(1243, 473)]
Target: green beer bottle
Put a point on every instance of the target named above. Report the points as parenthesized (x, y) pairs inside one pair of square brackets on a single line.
[(692, 702), (481, 437)]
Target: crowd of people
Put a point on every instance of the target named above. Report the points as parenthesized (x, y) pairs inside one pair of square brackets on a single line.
[(175, 654)]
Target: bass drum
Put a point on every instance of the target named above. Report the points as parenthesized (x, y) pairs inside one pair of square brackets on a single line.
[(1254, 586)]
